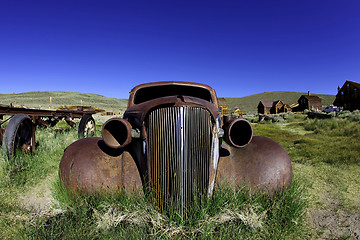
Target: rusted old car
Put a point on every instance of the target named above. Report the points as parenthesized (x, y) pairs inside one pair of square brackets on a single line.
[(169, 143)]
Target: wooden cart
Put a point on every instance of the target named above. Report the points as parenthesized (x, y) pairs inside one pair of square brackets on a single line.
[(20, 130)]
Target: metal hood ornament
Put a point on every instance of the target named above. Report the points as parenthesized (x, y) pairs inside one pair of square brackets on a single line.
[(169, 143)]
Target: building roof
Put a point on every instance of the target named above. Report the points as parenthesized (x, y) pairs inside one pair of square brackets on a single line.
[(266, 103), (355, 84), (311, 97), (276, 102), (222, 101), (344, 86)]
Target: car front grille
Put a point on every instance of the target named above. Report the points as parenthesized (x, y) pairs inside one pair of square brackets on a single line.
[(179, 152)]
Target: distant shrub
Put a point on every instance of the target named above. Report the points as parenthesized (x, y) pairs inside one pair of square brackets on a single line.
[(251, 118), (344, 114), (336, 127), (354, 118), (292, 117), (351, 116), (279, 118)]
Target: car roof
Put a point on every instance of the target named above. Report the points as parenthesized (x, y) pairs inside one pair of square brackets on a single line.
[(150, 85)]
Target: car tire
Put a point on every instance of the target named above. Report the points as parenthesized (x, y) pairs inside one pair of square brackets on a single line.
[(87, 126), (19, 133)]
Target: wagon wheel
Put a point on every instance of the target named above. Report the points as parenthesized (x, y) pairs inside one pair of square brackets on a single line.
[(87, 126), (19, 135)]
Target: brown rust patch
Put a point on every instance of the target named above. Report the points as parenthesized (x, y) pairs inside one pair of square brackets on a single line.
[(262, 165), (88, 165)]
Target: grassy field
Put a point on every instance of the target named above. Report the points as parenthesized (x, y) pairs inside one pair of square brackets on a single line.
[(322, 203), (326, 155), (41, 99)]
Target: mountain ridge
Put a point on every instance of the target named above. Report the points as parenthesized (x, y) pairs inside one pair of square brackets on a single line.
[(247, 104)]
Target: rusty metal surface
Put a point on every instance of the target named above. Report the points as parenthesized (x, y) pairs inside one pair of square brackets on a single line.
[(8, 110), (262, 165), (80, 108), (48, 118), (116, 133), (89, 165), (140, 111), (237, 131), (176, 83)]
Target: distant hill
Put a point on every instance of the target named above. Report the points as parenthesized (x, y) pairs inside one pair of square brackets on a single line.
[(249, 104), (41, 99)]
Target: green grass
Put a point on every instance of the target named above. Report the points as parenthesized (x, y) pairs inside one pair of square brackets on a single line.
[(23, 173), (326, 153), (42, 99), (326, 167), (228, 215)]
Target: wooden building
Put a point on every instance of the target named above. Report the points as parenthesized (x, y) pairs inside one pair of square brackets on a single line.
[(238, 112), (285, 108), (223, 107), (265, 107), (348, 96), (308, 102), (276, 108)]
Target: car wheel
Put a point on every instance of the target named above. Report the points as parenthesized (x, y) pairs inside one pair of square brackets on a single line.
[(19, 135), (87, 126)]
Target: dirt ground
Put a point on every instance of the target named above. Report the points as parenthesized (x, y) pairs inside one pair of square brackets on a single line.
[(39, 198), (335, 224)]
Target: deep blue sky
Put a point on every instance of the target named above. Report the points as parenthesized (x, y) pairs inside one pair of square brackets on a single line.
[(237, 47)]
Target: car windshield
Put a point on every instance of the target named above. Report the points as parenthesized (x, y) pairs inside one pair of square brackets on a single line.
[(153, 92)]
